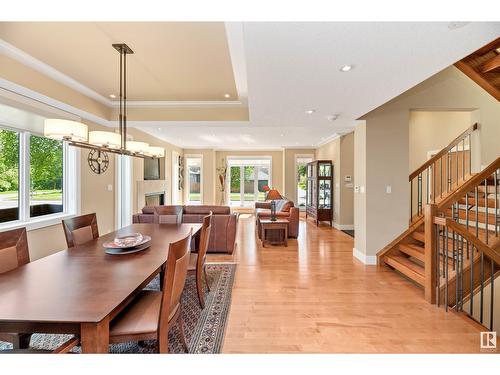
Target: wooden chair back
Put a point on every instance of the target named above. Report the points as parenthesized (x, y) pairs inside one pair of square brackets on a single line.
[(80, 229), (13, 249), (204, 240), (174, 281)]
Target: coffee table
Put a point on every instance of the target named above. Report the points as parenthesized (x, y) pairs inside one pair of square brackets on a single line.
[(278, 225)]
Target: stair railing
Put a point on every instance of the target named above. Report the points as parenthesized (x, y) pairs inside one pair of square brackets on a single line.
[(441, 173), (463, 247)]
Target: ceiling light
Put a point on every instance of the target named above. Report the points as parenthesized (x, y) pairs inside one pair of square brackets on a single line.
[(159, 128), (112, 96), (227, 96), (137, 147), (332, 117), (346, 68), (156, 152), (66, 130), (282, 135), (310, 111)]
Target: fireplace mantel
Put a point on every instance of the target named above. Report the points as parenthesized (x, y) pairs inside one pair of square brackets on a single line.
[(149, 187)]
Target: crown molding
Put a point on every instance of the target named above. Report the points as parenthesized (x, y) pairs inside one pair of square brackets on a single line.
[(15, 53), (179, 104)]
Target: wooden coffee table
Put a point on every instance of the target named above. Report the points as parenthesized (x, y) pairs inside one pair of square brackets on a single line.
[(278, 225)]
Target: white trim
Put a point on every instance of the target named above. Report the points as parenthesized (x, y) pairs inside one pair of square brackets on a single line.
[(236, 46), (123, 191), (343, 226), (179, 104), (366, 259), (187, 180), (296, 178), (176, 192)]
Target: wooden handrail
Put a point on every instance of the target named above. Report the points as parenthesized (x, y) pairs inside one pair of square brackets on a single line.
[(469, 185), (480, 245), (440, 154)]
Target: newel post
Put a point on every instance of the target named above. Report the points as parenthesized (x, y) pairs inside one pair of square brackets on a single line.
[(430, 253)]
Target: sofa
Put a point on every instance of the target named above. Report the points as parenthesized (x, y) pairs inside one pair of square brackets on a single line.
[(285, 209), (224, 223)]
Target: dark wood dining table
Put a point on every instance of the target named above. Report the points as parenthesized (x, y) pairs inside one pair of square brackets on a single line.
[(81, 289)]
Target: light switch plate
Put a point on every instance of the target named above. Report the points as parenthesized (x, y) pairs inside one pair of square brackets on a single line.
[(356, 189), (388, 189), (362, 189), (110, 187)]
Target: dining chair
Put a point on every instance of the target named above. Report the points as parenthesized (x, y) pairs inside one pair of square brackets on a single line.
[(62, 349), (152, 314), (80, 229), (197, 263), (14, 253)]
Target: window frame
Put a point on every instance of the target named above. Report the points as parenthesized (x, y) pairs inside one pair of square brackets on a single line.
[(71, 185), (188, 180)]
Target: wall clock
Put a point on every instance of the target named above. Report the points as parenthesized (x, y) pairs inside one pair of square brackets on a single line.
[(98, 161)]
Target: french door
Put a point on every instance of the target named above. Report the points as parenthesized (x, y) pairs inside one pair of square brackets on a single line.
[(247, 179)]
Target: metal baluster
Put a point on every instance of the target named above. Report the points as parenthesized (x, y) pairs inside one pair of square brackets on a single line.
[(470, 157), (476, 194), (481, 307), (467, 219), (456, 166), (457, 275), (427, 186), (486, 208), (463, 159), (434, 183), (446, 269), (462, 273), (441, 179), (492, 293), (419, 194), (471, 290), (448, 178), (411, 201), (497, 223), (438, 275)]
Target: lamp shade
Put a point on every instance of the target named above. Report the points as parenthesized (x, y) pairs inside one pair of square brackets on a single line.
[(105, 139), (273, 194), (157, 152), (137, 147), (66, 130)]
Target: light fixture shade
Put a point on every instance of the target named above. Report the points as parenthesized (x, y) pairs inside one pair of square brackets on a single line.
[(105, 139), (66, 130), (137, 147), (273, 194), (157, 152)]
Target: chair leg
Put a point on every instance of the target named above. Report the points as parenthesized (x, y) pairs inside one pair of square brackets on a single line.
[(21, 341), (180, 321), (199, 288), (206, 278)]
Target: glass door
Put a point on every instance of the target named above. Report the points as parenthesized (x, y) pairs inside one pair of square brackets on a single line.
[(247, 179), (301, 179)]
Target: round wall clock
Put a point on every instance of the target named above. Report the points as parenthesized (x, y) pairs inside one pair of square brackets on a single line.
[(98, 161)]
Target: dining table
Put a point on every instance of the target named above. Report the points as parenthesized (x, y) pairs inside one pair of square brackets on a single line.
[(81, 289)]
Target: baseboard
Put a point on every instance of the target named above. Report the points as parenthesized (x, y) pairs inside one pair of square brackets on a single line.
[(343, 226), (366, 259)]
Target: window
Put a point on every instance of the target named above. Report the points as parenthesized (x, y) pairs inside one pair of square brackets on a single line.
[(36, 181), (247, 178), (301, 178), (194, 168)]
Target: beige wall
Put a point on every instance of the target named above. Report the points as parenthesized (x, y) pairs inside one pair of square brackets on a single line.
[(430, 131), (360, 184), (341, 152), (387, 148), (290, 188)]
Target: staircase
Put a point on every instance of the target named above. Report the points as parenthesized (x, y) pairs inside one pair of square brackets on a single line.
[(452, 246)]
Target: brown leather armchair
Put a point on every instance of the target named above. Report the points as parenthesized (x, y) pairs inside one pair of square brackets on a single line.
[(284, 209)]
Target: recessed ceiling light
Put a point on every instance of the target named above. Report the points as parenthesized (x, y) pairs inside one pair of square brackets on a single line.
[(282, 135), (457, 25), (332, 117), (112, 96), (227, 96), (159, 128), (346, 68), (310, 111), (212, 135)]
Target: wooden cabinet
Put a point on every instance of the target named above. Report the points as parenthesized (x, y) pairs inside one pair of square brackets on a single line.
[(319, 199)]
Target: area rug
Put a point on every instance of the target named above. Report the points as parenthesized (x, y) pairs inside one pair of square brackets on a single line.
[(204, 328)]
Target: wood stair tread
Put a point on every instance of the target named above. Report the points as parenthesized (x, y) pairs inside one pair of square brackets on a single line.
[(413, 250), (419, 236), (481, 202), (407, 267), (472, 215)]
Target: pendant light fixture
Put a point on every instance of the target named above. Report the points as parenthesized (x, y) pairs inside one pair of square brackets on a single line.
[(77, 134)]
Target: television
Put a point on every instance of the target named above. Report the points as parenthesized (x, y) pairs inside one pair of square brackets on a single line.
[(151, 169)]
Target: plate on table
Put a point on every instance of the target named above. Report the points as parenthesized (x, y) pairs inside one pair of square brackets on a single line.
[(130, 250), (127, 242)]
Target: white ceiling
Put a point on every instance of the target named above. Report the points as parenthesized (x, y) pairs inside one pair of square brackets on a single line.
[(292, 67)]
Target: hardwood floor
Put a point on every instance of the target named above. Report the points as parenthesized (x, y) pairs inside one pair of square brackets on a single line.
[(314, 297)]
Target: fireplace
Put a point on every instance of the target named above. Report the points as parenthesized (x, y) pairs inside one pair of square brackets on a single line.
[(155, 199)]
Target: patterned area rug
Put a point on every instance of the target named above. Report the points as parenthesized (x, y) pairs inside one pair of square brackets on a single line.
[(204, 328)]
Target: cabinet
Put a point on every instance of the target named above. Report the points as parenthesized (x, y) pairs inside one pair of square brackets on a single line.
[(319, 198)]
